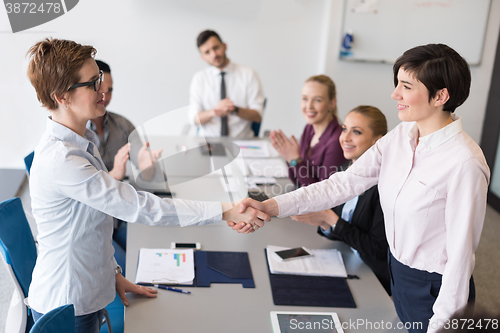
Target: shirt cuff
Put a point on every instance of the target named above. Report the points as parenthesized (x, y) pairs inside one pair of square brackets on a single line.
[(189, 212), (326, 233), (286, 206)]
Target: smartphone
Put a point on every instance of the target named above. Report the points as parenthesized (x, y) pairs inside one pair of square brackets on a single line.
[(298, 252), (195, 246)]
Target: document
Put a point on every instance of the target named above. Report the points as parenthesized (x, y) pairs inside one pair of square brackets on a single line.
[(269, 167), (165, 266), (253, 182), (323, 262)]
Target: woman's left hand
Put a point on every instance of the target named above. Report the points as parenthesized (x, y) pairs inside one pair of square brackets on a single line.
[(288, 148), (242, 227), (324, 219), (124, 286)]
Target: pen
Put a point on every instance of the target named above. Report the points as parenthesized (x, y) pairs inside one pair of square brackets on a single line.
[(172, 289)]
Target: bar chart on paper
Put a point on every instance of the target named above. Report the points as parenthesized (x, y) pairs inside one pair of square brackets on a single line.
[(165, 266), (180, 258)]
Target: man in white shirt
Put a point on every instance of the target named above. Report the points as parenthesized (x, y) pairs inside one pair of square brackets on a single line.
[(225, 98)]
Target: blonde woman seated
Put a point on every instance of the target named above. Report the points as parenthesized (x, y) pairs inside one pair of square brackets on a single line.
[(360, 221), (319, 154)]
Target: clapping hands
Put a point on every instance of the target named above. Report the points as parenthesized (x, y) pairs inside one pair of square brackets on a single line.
[(120, 162), (146, 160), (287, 148)]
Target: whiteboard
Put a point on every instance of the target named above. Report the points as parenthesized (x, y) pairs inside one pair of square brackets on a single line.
[(383, 29)]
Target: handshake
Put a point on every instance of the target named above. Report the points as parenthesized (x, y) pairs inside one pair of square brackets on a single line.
[(249, 215)]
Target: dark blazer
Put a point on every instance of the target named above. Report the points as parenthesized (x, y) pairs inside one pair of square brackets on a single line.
[(366, 234)]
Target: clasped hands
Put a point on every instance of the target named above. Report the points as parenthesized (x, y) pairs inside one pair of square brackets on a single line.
[(252, 214), (249, 215), (223, 108)]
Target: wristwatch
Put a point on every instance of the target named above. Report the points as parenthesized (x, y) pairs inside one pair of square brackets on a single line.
[(236, 110), (118, 270), (295, 161)]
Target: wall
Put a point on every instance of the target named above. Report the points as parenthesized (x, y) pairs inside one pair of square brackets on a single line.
[(150, 45), (372, 83)]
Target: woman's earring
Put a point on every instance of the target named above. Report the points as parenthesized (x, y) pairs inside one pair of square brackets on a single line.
[(66, 106)]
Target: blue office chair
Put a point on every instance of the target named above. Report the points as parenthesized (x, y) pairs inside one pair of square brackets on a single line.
[(61, 319), (255, 125), (115, 317), (19, 251), (28, 160)]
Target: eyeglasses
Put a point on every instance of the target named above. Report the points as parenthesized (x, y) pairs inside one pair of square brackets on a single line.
[(96, 83)]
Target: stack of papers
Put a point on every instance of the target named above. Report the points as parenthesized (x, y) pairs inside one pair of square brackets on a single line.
[(165, 266), (323, 262)]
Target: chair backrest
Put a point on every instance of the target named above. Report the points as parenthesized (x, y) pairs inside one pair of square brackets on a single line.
[(61, 319), (256, 129), (28, 160), (16, 242), (255, 125)]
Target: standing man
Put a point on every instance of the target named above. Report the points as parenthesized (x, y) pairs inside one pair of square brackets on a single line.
[(226, 97)]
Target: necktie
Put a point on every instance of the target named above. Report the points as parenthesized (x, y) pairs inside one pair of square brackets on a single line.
[(224, 129)]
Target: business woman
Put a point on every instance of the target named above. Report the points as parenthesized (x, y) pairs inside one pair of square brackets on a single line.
[(432, 179), (74, 198), (318, 155), (359, 222)]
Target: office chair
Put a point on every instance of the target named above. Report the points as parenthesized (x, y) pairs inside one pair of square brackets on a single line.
[(61, 319), (114, 317), (28, 160), (255, 125), (19, 251)]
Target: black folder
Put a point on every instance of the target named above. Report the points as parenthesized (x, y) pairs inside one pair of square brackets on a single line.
[(222, 267), (305, 290)]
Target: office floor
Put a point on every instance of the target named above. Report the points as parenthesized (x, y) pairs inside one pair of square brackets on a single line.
[(486, 272)]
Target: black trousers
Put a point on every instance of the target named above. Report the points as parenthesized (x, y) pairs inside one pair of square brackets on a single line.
[(414, 292)]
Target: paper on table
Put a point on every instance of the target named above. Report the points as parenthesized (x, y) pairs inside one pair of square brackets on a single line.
[(323, 262), (165, 266), (253, 148), (254, 182), (261, 180), (269, 167)]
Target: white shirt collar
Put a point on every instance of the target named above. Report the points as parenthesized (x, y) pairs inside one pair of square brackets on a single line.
[(65, 134), (440, 136), (227, 69)]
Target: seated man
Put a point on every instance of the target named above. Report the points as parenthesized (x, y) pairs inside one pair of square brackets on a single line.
[(113, 132), (225, 98)]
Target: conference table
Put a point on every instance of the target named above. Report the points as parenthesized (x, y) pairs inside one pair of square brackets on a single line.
[(230, 307)]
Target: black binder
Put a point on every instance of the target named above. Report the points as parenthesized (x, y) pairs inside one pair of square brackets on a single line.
[(303, 290), (222, 267)]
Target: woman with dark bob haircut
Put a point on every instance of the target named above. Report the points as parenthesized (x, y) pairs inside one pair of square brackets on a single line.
[(74, 199), (432, 179)]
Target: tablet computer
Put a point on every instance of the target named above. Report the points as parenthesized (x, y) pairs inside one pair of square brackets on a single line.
[(310, 322)]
